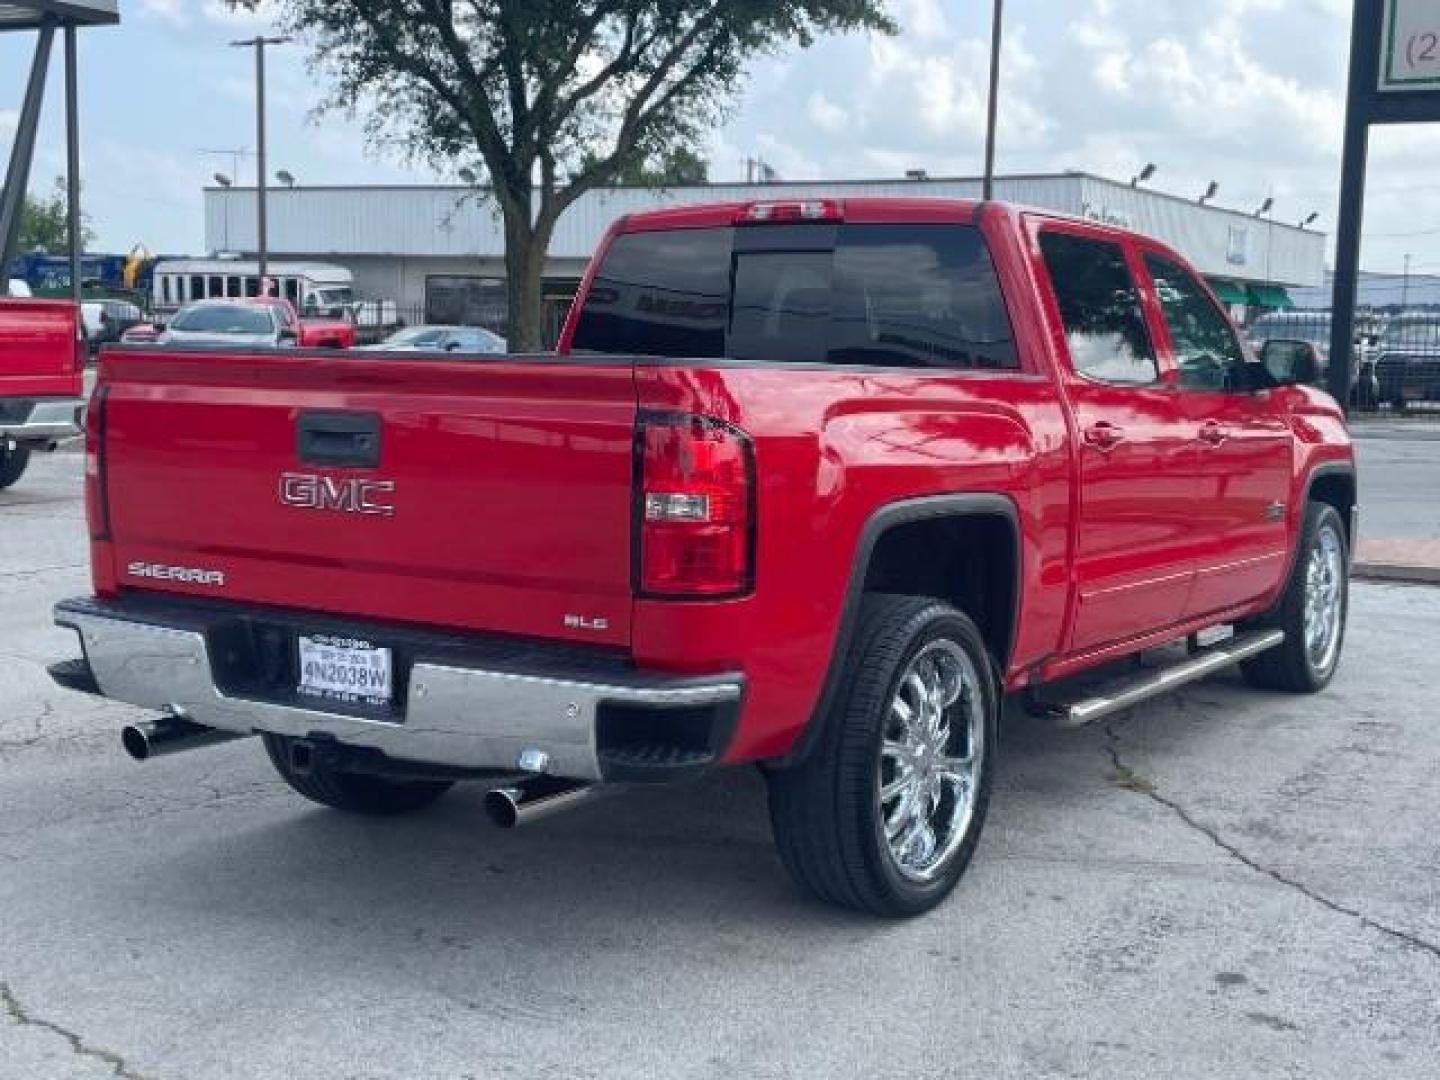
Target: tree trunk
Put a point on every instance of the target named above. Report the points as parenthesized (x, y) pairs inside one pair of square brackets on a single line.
[(524, 268)]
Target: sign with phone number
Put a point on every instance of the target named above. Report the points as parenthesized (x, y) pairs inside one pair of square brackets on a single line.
[(1410, 45)]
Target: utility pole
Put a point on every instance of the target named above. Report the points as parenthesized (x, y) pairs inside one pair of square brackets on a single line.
[(988, 184), (258, 43)]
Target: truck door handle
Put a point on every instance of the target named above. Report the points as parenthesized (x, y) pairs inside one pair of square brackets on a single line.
[(1212, 433), (338, 438), (1103, 435)]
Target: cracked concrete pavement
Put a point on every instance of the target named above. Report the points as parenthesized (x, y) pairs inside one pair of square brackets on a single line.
[(1224, 883)]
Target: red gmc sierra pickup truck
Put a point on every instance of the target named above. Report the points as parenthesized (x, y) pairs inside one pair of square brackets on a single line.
[(807, 484), (42, 371)]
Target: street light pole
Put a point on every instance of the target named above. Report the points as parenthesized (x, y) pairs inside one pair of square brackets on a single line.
[(262, 253), (988, 184)]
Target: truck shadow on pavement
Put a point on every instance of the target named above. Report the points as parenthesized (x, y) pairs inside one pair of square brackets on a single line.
[(696, 855)]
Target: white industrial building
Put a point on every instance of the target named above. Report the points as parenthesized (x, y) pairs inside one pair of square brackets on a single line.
[(1381, 292), (438, 250)]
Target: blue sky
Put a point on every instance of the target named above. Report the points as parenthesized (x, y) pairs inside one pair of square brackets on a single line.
[(1247, 92)]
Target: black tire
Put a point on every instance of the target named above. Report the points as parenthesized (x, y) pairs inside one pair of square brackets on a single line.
[(1291, 666), (826, 813), (12, 464), (355, 793)]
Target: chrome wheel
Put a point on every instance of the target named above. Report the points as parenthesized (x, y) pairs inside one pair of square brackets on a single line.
[(1324, 598), (930, 759)]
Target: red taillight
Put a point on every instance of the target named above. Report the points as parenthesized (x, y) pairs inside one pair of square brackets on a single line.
[(97, 499), (82, 348), (797, 210), (695, 508)]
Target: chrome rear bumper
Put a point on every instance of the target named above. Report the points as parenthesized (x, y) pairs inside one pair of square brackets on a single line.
[(464, 717), (46, 421)]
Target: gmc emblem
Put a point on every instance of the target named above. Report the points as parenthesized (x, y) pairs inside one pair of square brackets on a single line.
[(311, 491)]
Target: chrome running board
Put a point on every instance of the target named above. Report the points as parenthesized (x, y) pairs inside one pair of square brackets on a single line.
[(1132, 692)]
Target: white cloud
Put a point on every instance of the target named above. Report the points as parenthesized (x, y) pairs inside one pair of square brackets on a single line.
[(216, 11), (826, 115), (175, 12), (922, 19), (182, 14)]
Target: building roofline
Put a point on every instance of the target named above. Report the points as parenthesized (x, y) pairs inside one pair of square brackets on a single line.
[(708, 186), (1183, 200), (720, 187)]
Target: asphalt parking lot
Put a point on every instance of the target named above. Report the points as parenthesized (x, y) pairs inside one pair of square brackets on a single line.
[(1226, 883)]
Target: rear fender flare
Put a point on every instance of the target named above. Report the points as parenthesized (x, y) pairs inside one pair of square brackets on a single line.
[(962, 505)]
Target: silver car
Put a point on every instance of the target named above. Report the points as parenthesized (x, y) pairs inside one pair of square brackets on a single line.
[(462, 339), (227, 323)]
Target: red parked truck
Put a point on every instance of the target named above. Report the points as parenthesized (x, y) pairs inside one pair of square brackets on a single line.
[(810, 485), (42, 371), (313, 332)]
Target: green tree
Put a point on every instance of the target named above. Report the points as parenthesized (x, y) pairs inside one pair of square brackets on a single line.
[(553, 97), (678, 166), (45, 223)]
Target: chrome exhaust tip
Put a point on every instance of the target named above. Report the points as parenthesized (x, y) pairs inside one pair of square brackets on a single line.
[(502, 806), (530, 800), (170, 735)]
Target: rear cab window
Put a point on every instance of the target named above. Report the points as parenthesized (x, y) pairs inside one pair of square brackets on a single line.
[(848, 294)]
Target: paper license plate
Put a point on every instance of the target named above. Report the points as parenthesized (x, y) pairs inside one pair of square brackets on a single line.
[(344, 669)]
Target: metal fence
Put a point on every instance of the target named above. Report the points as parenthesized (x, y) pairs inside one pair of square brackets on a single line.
[(1395, 367), (406, 315)]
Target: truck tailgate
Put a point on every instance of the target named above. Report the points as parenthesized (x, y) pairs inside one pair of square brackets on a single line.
[(476, 494), (41, 354)]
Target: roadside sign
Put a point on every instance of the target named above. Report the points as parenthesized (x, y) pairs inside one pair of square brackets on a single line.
[(1410, 46), (1394, 79)]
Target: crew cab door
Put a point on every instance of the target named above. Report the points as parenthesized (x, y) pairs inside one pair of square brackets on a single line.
[(1243, 447), (1134, 534)]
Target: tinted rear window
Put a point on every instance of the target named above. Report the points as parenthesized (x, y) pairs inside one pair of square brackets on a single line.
[(875, 295), (661, 294), (918, 296), (781, 307)]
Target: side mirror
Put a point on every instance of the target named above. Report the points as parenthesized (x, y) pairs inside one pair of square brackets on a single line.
[(1291, 363), (453, 346), (287, 337)]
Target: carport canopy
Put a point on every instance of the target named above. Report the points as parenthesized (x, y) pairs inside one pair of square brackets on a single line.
[(45, 17), (32, 14), (1271, 296)]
